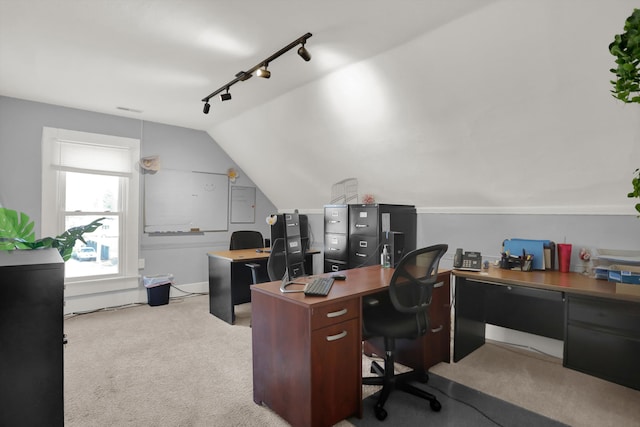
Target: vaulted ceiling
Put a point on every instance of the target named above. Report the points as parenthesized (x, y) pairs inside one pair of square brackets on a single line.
[(451, 105)]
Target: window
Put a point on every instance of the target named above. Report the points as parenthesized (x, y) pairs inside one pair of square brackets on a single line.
[(85, 177)]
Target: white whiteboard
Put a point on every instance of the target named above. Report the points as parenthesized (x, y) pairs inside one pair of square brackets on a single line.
[(183, 201)]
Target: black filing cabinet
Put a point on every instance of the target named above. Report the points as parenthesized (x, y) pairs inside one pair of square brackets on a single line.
[(31, 338), (336, 237), (368, 227)]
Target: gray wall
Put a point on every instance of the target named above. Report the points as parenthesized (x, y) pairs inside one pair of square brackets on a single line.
[(21, 124)]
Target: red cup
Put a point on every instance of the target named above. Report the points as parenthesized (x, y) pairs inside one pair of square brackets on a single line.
[(564, 256)]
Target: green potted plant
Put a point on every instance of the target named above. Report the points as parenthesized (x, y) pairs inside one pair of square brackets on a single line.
[(16, 232), (626, 87)]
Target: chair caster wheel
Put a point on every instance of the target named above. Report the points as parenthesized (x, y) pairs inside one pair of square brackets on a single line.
[(435, 406), (381, 414)]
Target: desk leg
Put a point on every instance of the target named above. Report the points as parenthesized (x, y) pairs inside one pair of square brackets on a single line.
[(220, 298), (469, 328)]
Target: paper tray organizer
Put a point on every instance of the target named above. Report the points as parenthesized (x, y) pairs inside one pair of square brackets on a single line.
[(543, 251)]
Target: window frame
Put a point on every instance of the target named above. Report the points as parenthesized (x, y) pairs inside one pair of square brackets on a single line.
[(53, 200)]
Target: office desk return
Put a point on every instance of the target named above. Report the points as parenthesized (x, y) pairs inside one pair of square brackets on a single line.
[(599, 326), (307, 351), (230, 279)]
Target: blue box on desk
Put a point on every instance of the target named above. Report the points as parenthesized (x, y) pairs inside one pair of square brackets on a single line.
[(624, 274)]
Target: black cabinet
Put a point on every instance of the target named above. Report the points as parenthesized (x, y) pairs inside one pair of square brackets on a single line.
[(373, 225), (603, 339), (31, 338), (355, 234), (336, 237)]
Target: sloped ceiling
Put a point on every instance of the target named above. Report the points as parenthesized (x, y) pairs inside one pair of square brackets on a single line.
[(482, 106)]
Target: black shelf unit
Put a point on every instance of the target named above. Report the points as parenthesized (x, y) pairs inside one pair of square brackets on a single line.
[(31, 338)]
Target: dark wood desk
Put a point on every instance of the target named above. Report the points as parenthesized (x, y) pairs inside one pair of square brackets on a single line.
[(600, 327), (307, 351), (230, 279)]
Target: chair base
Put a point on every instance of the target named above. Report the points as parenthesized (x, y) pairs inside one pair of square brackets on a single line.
[(400, 382)]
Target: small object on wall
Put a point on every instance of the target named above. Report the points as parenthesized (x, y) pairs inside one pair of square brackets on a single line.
[(232, 174), (150, 163)]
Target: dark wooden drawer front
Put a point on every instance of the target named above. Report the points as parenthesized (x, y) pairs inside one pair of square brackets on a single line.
[(618, 317), (334, 313), (335, 246)]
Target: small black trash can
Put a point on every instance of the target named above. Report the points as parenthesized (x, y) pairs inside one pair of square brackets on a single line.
[(158, 288)]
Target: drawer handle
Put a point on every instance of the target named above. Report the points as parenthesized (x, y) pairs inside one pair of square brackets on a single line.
[(337, 337), (438, 329), (337, 313), (361, 255), (334, 221), (334, 249), (335, 268), (438, 285), (361, 225)]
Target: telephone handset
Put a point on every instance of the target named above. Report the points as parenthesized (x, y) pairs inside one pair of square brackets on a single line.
[(467, 260)]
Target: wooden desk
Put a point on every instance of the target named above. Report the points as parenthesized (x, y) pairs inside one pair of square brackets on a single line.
[(599, 326), (307, 351), (230, 279)]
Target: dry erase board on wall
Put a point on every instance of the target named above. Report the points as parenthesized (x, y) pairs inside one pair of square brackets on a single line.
[(185, 201)]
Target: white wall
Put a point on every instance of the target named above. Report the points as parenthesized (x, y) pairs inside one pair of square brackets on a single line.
[(506, 109)]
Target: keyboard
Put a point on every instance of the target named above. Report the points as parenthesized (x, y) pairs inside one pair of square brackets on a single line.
[(320, 286)]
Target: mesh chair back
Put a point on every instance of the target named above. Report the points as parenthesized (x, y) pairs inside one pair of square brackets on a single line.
[(246, 239), (412, 282)]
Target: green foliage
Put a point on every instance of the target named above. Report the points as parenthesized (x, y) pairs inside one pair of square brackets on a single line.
[(635, 182), (626, 48), (16, 232)]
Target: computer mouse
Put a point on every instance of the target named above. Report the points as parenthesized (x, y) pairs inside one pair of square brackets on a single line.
[(339, 276)]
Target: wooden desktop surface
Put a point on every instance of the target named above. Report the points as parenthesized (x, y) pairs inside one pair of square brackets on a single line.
[(238, 255), (551, 280)]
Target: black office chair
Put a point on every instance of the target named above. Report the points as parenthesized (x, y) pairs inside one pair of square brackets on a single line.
[(402, 313), (276, 264), (246, 239)]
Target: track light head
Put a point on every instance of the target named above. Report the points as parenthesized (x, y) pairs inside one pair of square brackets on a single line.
[(304, 53), (263, 72), (206, 108), (225, 96)]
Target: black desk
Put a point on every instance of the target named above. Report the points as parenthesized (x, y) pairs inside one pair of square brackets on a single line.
[(600, 326), (230, 279)]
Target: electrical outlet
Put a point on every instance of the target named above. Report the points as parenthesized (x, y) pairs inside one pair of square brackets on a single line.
[(140, 263)]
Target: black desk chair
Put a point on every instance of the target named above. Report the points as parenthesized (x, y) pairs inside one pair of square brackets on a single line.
[(402, 313), (276, 264), (246, 239)]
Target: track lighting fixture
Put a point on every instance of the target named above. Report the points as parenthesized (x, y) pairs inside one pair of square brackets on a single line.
[(304, 53), (263, 72), (260, 70), (225, 96)]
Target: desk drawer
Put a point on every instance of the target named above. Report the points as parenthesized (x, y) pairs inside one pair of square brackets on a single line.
[(335, 246), (619, 317), (334, 313)]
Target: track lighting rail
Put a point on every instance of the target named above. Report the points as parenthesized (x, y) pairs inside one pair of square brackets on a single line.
[(245, 75)]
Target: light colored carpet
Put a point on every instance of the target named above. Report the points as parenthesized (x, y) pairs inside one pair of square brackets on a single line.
[(177, 365)]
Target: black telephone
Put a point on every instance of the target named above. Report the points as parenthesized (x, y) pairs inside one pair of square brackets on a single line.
[(467, 261)]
